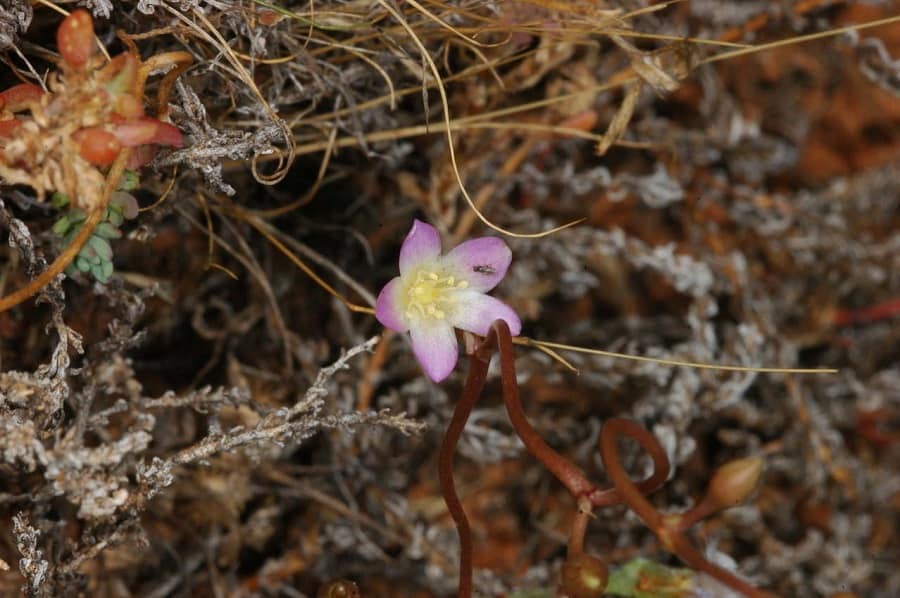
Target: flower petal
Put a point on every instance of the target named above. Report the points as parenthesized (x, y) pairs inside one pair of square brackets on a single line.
[(476, 312), (389, 307), (434, 345), (481, 262), (423, 243)]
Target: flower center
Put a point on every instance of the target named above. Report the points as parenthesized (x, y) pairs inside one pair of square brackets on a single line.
[(432, 295)]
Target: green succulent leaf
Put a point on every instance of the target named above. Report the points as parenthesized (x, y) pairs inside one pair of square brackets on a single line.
[(115, 216), (87, 252), (107, 230), (76, 215), (101, 272), (101, 246), (643, 578), (82, 264), (127, 202), (59, 200), (61, 226), (129, 181)]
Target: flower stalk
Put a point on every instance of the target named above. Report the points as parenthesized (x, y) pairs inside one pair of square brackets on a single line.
[(583, 575)]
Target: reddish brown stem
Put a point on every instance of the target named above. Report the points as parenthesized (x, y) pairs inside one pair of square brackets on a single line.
[(698, 512), (565, 471), (661, 467), (588, 495), (471, 392), (631, 495), (579, 528)]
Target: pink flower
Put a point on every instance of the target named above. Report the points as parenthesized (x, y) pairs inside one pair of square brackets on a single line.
[(436, 293)]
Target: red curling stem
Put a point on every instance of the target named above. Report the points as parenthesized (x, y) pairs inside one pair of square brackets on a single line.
[(670, 537), (471, 392), (499, 338)]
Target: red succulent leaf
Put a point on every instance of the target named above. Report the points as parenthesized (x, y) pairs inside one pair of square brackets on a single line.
[(141, 156), (19, 96), (144, 130), (97, 145), (133, 133), (8, 126), (168, 135), (75, 38)]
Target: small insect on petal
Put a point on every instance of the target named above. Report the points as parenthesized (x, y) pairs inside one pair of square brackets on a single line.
[(75, 38), (19, 96), (98, 146)]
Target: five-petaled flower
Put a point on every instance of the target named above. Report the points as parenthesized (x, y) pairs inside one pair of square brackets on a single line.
[(436, 293)]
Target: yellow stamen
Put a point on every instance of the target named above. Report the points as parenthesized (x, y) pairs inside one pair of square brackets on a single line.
[(432, 295)]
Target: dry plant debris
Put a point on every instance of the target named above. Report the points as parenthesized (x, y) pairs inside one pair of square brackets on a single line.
[(222, 415)]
